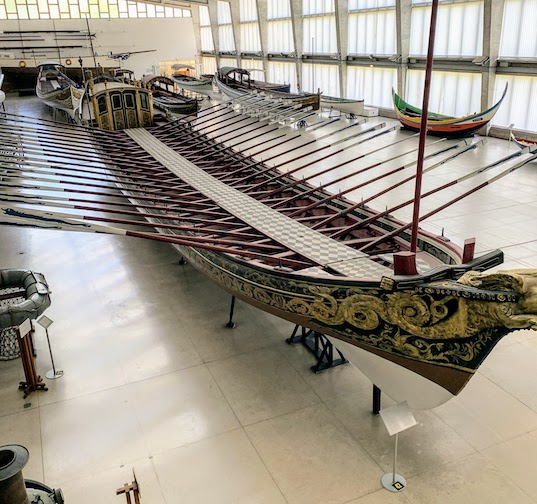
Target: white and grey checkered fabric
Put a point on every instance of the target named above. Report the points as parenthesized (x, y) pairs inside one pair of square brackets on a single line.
[(286, 231)]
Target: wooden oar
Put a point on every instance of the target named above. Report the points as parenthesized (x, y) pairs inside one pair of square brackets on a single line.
[(379, 215), (342, 213), (280, 165), (339, 165), (50, 202), (48, 220), (283, 175), (449, 203), (326, 199)]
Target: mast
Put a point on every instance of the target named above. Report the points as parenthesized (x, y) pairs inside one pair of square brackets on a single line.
[(91, 44), (423, 129)]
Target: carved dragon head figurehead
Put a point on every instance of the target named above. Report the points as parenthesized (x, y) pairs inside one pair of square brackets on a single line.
[(521, 314)]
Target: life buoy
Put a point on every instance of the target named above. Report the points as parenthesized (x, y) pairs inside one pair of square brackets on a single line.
[(36, 296)]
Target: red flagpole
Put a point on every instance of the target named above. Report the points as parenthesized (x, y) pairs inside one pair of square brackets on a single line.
[(423, 129)]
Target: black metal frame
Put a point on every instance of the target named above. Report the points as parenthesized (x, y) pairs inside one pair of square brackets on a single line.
[(319, 345)]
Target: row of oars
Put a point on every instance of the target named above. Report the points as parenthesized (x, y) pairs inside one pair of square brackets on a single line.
[(155, 188), (102, 191)]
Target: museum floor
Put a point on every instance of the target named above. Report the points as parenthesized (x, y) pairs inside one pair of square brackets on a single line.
[(154, 382)]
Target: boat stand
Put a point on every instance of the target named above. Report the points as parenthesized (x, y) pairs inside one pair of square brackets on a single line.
[(376, 399), (33, 381), (319, 345), (127, 488), (230, 324)]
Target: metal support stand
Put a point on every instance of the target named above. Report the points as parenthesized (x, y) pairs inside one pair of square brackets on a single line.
[(331, 115), (231, 324), (396, 418), (33, 380), (392, 481), (133, 487), (319, 345), (54, 373), (376, 399)]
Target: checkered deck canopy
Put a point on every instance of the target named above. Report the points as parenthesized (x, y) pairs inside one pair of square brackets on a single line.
[(286, 231)]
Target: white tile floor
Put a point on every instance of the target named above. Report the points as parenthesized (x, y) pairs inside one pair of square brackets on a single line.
[(155, 382)]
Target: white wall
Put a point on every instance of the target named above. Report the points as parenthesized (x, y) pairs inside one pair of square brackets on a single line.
[(173, 38)]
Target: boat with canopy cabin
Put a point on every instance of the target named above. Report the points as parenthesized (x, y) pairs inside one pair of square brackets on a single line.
[(166, 96), (184, 78), (113, 104), (286, 99), (241, 80)]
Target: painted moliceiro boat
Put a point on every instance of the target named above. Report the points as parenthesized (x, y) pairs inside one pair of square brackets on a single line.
[(346, 105), (442, 125), (56, 89)]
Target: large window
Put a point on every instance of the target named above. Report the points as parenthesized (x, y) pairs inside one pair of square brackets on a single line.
[(228, 62), (459, 29), (371, 84), (250, 39), (282, 72), (256, 68), (370, 4), (278, 9), (94, 9), (324, 78), (280, 27), (208, 65), (372, 31), (206, 35), (452, 93), (520, 103), (519, 39), (319, 28), (225, 27)]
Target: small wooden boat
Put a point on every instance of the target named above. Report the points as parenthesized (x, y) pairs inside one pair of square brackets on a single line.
[(522, 143), (166, 97), (56, 89), (345, 105), (24, 294), (301, 100), (183, 77), (442, 125), (241, 80), (114, 104)]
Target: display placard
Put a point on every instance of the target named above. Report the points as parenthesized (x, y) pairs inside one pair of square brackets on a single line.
[(25, 328)]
